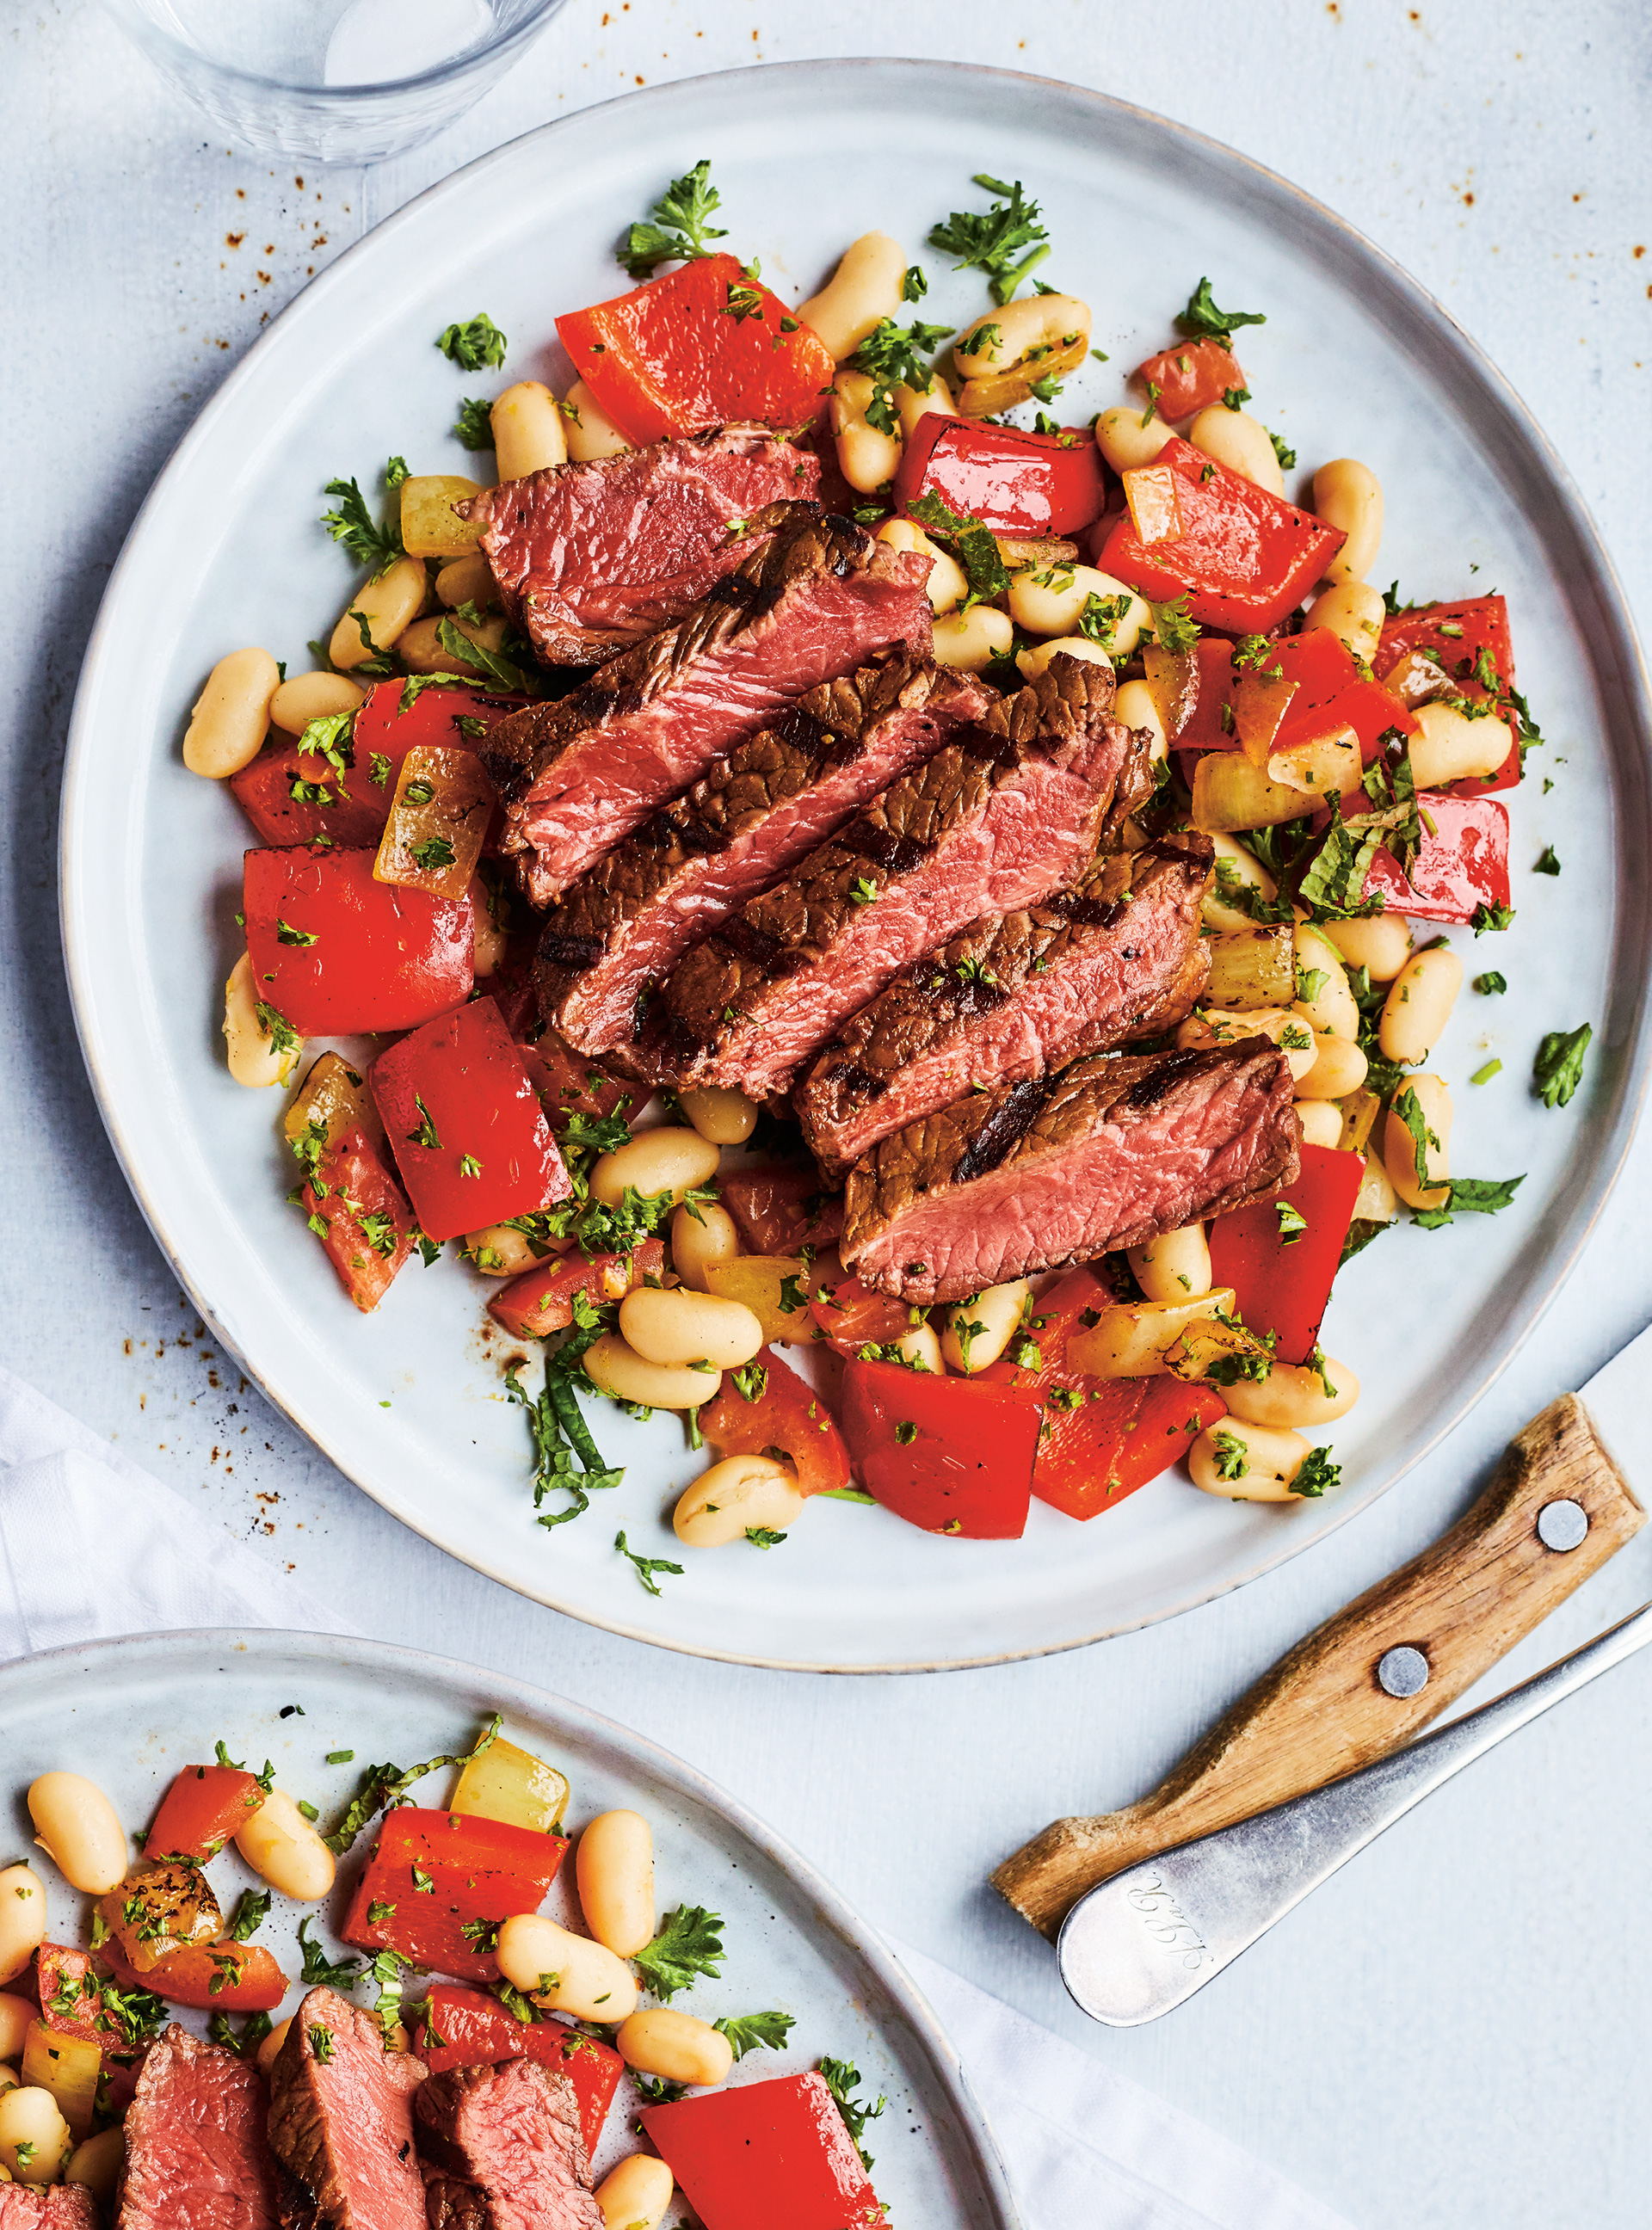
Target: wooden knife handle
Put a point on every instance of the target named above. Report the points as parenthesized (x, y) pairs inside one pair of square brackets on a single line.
[(1320, 1711)]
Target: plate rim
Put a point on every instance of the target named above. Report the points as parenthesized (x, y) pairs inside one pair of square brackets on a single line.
[(1512, 418), (365, 1656)]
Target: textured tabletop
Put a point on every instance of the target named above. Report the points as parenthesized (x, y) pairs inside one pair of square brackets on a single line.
[(1453, 2033)]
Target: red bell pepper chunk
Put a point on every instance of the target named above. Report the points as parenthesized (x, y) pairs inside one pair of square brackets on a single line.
[(380, 956), (1244, 558), (1101, 1438), (299, 797), (1282, 1278), (206, 1806), (568, 1083), (223, 1977), (71, 2002), (1468, 640), (705, 346), (1330, 695), (1017, 483), (1462, 863), (1205, 730), (469, 1134), (765, 2154), (541, 1300), (954, 1455), (438, 1881), (464, 2028), (787, 1415), (1191, 377), (779, 1210), (361, 1216), (852, 1316)]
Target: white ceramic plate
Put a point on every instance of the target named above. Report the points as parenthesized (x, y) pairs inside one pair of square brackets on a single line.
[(129, 1713), (1354, 357)]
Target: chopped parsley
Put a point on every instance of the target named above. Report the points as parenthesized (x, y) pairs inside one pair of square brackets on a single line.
[(864, 891), (557, 1426), (750, 1381), (286, 934), (473, 346), (676, 228), (1008, 243), (764, 1537), (425, 1136), (689, 1943), (276, 1028), (339, 1974), (375, 547), (1202, 320), (1547, 863), (475, 425), (1558, 1070), (755, 2031), (478, 657), (893, 356), (905, 1432), (1231, 1461), (1292, 1223), (1283, 451), (1491, 985), (1315, 1474), (1490, 917), (1174, 629), (249, 1916), (973, 545), (842, 2079), (646, 1567)]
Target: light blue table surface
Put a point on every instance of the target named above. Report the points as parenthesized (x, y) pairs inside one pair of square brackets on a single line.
[(1455, 2031)]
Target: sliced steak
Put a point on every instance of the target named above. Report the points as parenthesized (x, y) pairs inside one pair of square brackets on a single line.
[(506, 2149), (1110, 1153), (197, 2157), (49, 2206), (1016, 994), (820, 597), (590, 558), (1012, 808), (752, 815), (341, 2123)]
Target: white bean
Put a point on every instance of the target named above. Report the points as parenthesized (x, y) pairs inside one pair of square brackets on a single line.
[(1137, 707), (421, 646), (1212, 1025), (920, 1345), (1031, 663), (659, 2040), (970, 640), (700, 1237), (500, 1251), (1380, 944), (591, 432), (946, 587), (616, 1369), (8, 2078), (914, 403), (1425, 1187), (230, 717), (1125, 442), (865, 288), (77, 1828), (569, 1974), (467, 580), (23, 1918), (1294, 1396), (254, 1058), (719, 1113), (1340, 1067), (1001, 338), (1175, 1266), (1242, 867), (1247, 1463), (636, 2195), (1418, 1005), (389, 604), (1236, 440), (978, 1329), (269, 2050), (1354, 612), (614, 1868), (530, 433), (1331, 1006), (1349, 495), (675, 1327), (1320, 1121), (309, 697), (742, 1494), (1050, 600), (1450, 746), (668, 1160), (34, 2137), (867, 456), (97, 2163), (16, 2013), (283, 1849)]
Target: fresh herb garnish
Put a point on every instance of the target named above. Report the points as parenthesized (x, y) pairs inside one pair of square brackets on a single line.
[(646, 1567), (1558, 1070), (893, 356), (1008, 243), (677, 229), (973, 545), (1315, 1474), (843, 2080), (756, 2032), (475, 425), (1490, 917), (382, 1787), (690, 1943), (375, 547), (249, 1916), (318, 1968), (1491, 983), (1202, 320), (475, 345)]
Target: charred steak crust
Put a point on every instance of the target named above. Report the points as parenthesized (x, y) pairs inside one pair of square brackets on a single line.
[(512, 2134), (196, 2152), (341, 2122), (930, 839), (1108, 1154), (578, 775), (750, 817), (1117, 957), (589, 556)]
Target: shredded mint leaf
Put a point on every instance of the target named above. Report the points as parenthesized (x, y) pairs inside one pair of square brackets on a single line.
[(973, 545), (646, 1567), (384, 1787)]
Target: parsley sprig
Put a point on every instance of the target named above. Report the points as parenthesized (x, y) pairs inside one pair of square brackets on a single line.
[(375, 547), (475, 345), (893, 356), (565, 1457), (1007, 243), (843, 2080), (676, 228), (756, 2032), (689, 1943), (1202, 320)]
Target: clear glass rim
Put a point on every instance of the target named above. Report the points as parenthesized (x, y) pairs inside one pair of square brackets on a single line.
[(147, 32)]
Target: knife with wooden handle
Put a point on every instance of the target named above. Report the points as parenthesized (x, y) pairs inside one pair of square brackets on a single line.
[(1365, 1682)]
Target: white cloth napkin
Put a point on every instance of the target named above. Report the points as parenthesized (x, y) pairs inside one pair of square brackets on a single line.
[(91, 1545)]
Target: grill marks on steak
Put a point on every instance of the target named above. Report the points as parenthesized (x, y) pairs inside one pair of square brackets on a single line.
[(341, 2123), (577, 776), (590, 558), (1013, 807), (197, 2157), (1109, 1154), (753, 815), (1014, 996), (504, 2150)]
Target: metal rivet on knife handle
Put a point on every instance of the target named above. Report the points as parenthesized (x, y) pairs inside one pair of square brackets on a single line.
[(1562, 1524), (1403, 1671), (1317, 1713)]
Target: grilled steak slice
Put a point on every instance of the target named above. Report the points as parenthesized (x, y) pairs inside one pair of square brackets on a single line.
[(1014, 996), (196, 2154), (48, 2206), (1111, 1152), (577, 775), (752, 815), (341, 2123), (1018, 804), (590, 558), (510, 2136)]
